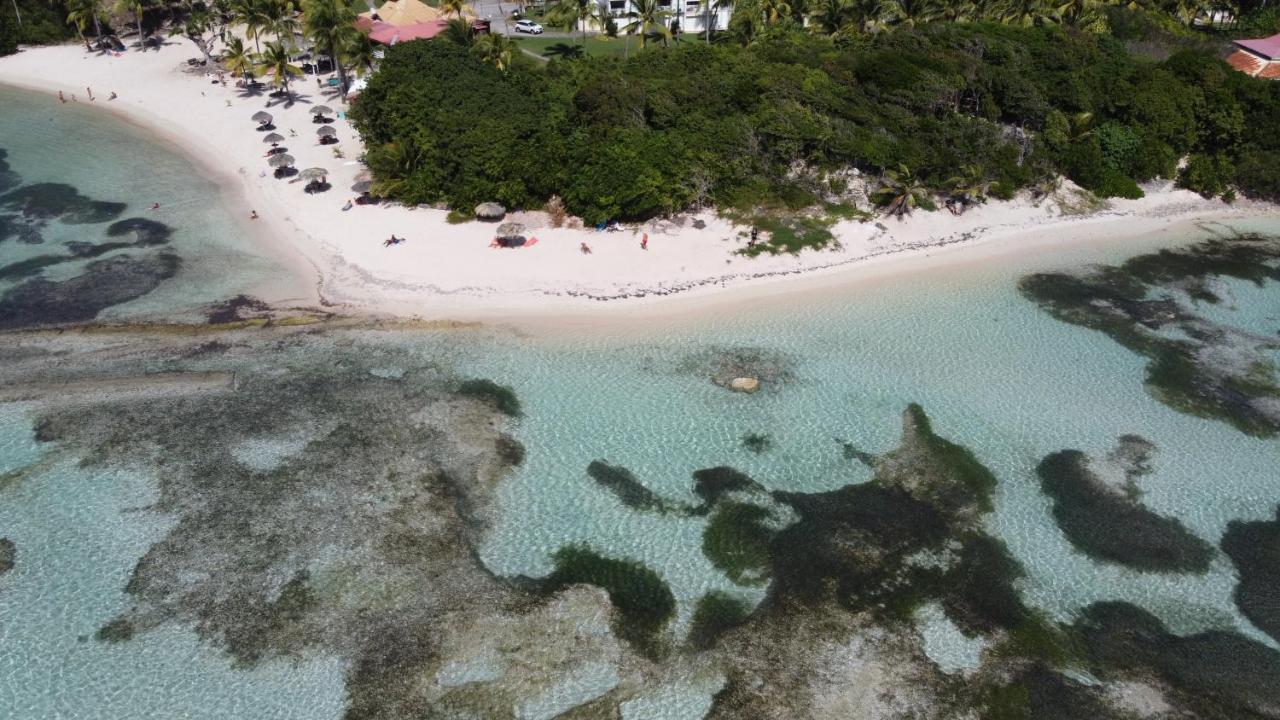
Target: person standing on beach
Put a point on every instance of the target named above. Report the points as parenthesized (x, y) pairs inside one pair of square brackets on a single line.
[(644, 241), (89, 90), (62, 98)]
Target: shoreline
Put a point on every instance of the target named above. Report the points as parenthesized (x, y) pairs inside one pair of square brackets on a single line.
[(449, 271)]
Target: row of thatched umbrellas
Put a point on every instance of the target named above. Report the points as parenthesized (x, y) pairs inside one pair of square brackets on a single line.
[(279, 158)]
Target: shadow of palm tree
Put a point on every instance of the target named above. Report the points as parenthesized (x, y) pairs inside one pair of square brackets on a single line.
[(565, 51)]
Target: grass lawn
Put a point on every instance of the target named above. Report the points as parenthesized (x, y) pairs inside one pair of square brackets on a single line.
[(597, 45)]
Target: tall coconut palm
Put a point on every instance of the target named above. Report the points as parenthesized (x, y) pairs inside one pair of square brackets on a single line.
[(775, 10), (459, 31), (237, 59), (274, 60), (81, 13), (907, 12), (282, 20), (137, 8), (967, 188), (252, 14), (1025, 13), (836, 18), (326, 23), (357, 51), (647, 17), (496, 49), (568, 13), (453, 7), (899, 192)]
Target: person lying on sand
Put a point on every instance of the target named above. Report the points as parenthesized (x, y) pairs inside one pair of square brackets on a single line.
[(253, 214)]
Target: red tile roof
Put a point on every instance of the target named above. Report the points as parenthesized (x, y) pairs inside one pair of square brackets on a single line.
[(390, 34), (1268, 48), (1246, 62), (1271, 71)]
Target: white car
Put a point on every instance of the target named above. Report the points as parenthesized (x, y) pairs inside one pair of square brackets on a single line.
[(528, 26)]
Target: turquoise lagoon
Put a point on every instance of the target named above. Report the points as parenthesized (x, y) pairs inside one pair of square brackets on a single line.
[(992, 370)]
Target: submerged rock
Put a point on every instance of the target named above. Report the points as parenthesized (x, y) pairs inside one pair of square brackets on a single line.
[(631, 492), (8, 553), (643, 601), (103, 284), (48, 201), (748, 368), (1254, 547), (1212, 675), (1109, 523)]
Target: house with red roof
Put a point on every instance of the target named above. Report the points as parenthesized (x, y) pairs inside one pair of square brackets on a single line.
[(1259, 58)]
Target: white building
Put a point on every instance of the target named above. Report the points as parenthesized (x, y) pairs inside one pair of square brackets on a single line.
[(691, 16)]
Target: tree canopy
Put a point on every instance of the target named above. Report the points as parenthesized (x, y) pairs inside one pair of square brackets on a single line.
[(781, 121)]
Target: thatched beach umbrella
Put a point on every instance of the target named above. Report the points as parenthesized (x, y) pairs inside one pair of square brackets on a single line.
[(261, 117), (321, 110), (314, 173), (273, 138), (490, 211), (327, 131), (280, 161)]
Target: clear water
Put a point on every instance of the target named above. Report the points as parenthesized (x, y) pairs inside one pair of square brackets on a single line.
[(993, 372), (106, 159)]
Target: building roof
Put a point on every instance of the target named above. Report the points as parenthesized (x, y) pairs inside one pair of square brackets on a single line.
[(403, 12), (1271, 71), (1246, 62), (390, 34), (1268, 48)]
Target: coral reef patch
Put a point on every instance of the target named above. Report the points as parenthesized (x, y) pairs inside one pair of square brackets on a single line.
[(1254, 547), (1195, 365), (1109, 523)]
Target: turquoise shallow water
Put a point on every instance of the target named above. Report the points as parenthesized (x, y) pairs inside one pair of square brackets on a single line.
[(993, 372), (105, 159)]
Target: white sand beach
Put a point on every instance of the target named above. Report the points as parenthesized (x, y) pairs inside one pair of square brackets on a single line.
[(450, 271)]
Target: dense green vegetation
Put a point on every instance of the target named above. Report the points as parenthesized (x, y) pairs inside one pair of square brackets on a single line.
[(960, 110), (31, 22)]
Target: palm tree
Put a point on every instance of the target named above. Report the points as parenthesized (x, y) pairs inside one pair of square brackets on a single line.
[(237, 58), (968, 187), (907, 12), (282, 20), (836, 18), (459, 30), (647, 17), (275, 60), (81, 13), (454, 7), (392, 164), (775, 10), (496, 49), (567, 13), (325, 23), (899, 192), (1025, 13), (252, 14), (358, 52), (138, 8)]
